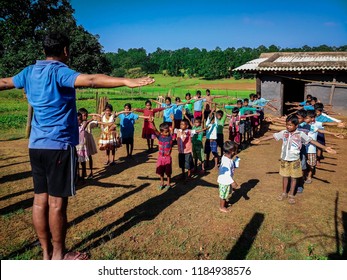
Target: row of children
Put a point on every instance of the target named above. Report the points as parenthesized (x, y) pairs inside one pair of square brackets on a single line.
[(303, 137)]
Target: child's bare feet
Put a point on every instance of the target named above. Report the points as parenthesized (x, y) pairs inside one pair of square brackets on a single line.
[(224, 210)]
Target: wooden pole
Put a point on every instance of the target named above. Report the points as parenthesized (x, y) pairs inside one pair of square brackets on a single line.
[(332, 91), (30, 117)]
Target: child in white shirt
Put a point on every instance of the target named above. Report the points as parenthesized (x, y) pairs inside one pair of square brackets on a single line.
[(226, 174)]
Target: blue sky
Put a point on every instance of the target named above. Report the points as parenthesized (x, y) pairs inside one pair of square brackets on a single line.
[(171, 25)]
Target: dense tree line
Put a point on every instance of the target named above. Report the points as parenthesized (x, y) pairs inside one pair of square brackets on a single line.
[(214, 64), (23, 23)]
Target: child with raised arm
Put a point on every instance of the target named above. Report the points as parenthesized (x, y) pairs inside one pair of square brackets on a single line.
[(197, 145), (226, 174), (315, 128), (127, 121), (188, 107), (168, 109), (147, 129), (211, 139), (90, 142), (184, 144), (164, 161), (290, 167), (108, 138), (198, 104)]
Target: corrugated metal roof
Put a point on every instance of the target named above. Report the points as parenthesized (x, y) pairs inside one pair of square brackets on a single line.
[(313, 61)]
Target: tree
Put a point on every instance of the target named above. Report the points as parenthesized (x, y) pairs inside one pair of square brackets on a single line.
[(23, 24)]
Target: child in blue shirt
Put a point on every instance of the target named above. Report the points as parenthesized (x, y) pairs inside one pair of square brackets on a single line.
[(127, 121)]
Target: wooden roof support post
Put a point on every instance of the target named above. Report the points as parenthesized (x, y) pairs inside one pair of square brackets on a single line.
[(332, 91)]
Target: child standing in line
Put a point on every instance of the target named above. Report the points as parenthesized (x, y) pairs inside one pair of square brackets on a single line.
[(198, 105), (147, 129), (81, 149), (226, 174), (290, 168), (164, 161), (184, 144), (127, 121), (188, 107), (177, 112), (211, 139), (108, 138), (197, 145), (169, 110), (315, 128), (90, 142), (221, 117)]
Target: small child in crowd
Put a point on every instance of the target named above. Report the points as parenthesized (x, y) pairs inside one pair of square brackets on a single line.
[(81, 149), (221, 117), (164, 161), (198, 104), (184, 144), (108, 140), (290, 168), (197, 145), (147, 129), (89, 139), (226, 174), (127, 121), (211, 139)]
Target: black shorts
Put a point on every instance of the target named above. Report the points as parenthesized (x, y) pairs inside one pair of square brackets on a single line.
[(128, 140), (185, 161), (54, 171)]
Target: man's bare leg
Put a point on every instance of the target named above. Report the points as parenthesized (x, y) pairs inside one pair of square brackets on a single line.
[(41, 224), (58, 224)]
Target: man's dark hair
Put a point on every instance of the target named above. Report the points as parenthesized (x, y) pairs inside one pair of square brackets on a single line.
[(54, 44), (164, 126), (293, 119)]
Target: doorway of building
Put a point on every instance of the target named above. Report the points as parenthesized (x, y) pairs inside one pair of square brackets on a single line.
[(293, 91)]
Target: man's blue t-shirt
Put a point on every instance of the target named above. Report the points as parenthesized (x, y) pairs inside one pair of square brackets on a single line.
[(127, 122), (49, 86)]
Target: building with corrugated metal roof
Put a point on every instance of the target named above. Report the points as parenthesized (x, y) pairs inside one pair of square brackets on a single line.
[(290, 76)]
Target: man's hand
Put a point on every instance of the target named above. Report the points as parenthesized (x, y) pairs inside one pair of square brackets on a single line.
[(139, 82)]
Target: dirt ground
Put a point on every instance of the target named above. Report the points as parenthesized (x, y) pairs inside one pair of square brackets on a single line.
[(120, 214)]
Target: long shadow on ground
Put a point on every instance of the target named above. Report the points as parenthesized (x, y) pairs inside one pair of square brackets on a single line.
[(245, 241), (147, 210)]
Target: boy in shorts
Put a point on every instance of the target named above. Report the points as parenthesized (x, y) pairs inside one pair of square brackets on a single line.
[(290, 168)]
